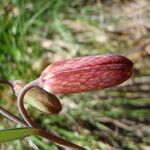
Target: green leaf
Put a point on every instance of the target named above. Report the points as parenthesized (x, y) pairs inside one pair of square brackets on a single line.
[(14, 134)]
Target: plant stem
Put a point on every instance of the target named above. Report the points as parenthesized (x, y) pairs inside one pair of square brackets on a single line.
[(12, 117), (56, 139), (41, 132), (7, 82), (20, 103), (31, 123), (8, 114)]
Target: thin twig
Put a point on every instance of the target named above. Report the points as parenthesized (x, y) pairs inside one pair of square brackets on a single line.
[(8, 114), (50, 136), (12, 117), (20, 103), (57, 140)]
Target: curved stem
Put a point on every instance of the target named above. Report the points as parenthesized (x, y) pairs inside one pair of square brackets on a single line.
[(41, 132), (56, 139), (31, 123), (7, 82), (20, 103), (12, 117)]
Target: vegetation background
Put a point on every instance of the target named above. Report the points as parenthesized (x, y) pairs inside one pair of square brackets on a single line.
[(35, 33)]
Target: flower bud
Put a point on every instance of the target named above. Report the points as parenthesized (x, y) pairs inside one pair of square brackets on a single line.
[(85, 74), (39, 98)]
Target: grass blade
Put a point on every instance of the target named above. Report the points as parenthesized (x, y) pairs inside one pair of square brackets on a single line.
[(14, 134)]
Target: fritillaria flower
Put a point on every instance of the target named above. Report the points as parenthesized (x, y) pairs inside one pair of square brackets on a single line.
[(85, 74), (75, 75)]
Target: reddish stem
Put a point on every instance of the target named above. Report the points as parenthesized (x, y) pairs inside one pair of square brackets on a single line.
[(20, 103), (58, 140), (42, 133), (7, 82), (12, 117), (7, 113), (31, 123)]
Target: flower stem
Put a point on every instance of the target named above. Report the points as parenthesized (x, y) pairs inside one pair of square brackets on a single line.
[(12, 117), (8, 114), (20, 103), (54, 138), (42, 133), (7, 82)]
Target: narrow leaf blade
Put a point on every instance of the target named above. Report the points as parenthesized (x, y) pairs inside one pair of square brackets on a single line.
[(14, 134)]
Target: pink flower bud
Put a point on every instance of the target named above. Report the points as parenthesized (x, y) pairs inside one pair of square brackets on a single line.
[(85, 74)]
